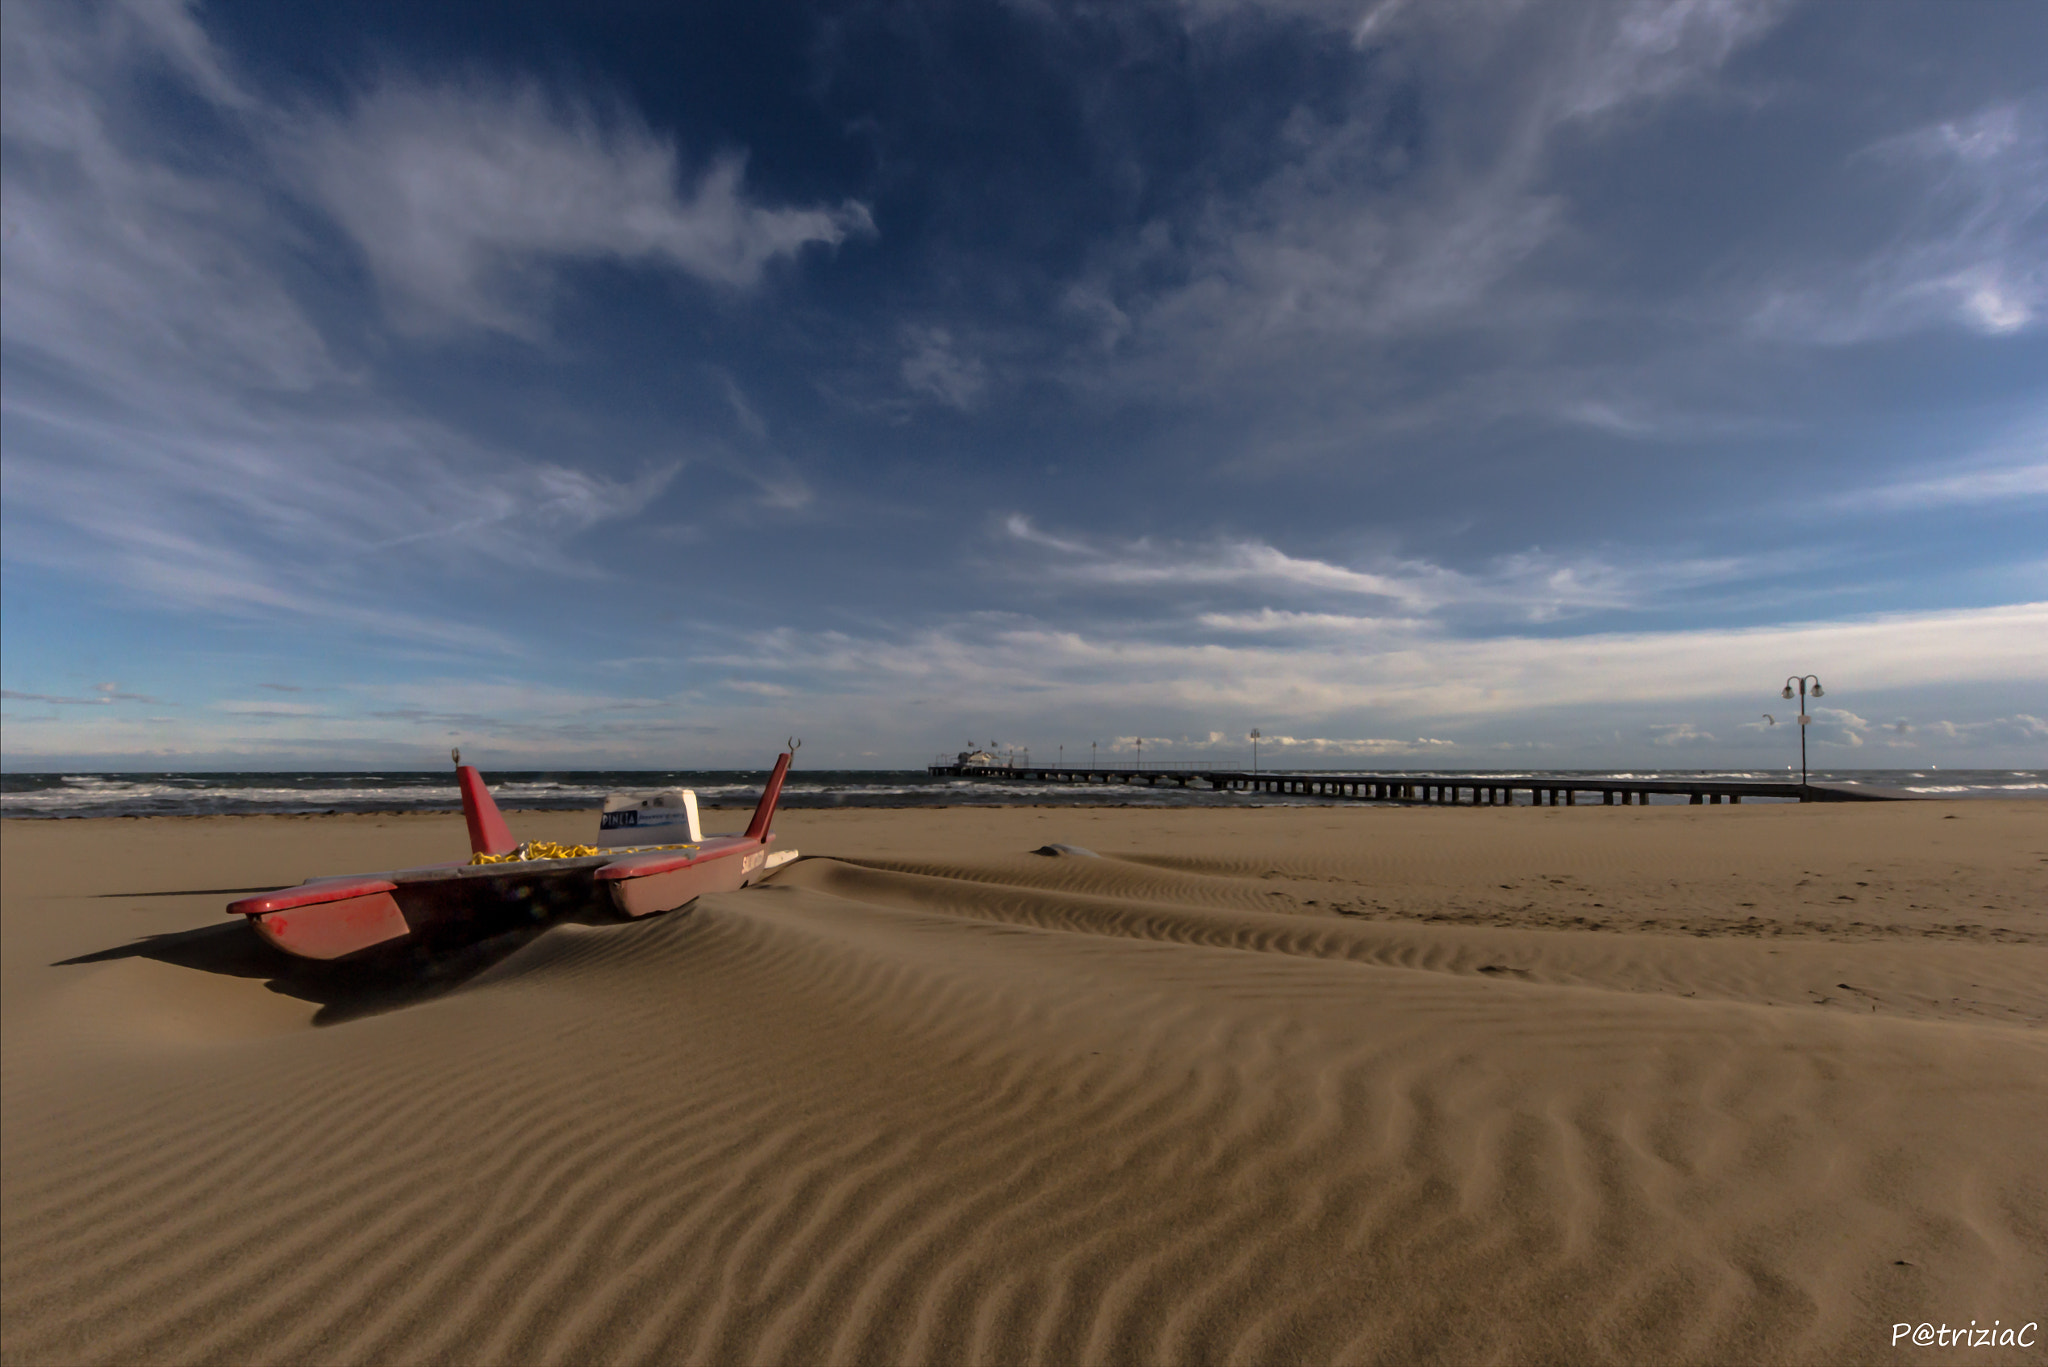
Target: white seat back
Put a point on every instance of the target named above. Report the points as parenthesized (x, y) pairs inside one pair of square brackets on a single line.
[(668, 818)]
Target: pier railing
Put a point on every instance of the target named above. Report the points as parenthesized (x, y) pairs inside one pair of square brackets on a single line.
[(1104, 764), (1430, 789)]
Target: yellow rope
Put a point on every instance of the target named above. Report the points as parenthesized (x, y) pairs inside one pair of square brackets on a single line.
[(549, 849)]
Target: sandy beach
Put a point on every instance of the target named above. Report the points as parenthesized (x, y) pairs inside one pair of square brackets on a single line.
[(1744, 1084)]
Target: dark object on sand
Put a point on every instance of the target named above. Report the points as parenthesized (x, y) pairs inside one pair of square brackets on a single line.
[(1066, 852)]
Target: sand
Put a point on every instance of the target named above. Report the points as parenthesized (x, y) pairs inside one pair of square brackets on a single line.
[(1284, 1085)]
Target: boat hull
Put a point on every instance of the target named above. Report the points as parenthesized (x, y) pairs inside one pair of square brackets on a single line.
[(332, 919), (651, 893)]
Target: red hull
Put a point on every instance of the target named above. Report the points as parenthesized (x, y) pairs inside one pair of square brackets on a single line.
[(329, 918)]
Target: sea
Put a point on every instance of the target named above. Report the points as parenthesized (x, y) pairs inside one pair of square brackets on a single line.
[(259, 793)]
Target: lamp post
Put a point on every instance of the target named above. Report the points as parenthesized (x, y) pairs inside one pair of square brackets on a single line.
[(1141, 752), (1255, 749), (1091, 753), (1800, 681)]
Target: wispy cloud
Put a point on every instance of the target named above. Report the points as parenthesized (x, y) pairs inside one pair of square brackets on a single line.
[(1529, 585), (102, 695), (1969, 251), (1674, 735), (464, 197), (1965, 484), (1365, 231), (178, 423), (1005, 664), (259, 708), (938, 368)]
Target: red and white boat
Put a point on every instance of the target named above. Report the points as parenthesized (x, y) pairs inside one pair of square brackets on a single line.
[(502, 888)]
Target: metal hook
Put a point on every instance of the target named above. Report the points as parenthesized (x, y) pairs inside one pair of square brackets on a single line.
[(455, 753), (794, 745)]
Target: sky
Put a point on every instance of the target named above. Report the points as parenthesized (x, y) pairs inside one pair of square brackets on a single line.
[(1436, 384)]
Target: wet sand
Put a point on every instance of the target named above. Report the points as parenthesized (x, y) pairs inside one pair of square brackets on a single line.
[(1286, 1085)]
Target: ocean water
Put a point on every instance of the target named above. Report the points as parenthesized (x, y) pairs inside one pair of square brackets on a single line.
[(87, 794)]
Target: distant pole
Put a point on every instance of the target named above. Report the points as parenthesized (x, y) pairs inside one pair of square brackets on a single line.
[(1091, 753), (1141, 752), (1255, 749), (1063, 754), (1800, 680)]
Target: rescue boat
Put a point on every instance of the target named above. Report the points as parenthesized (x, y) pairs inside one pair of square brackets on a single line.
[(505, 884)]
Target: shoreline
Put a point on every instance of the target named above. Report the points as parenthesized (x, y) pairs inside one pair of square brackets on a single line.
[(1300, 804)]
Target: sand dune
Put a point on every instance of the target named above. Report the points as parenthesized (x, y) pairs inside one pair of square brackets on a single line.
[(1270, 1086)]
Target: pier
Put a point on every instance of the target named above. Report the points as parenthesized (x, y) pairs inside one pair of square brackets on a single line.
[(1435, 790)]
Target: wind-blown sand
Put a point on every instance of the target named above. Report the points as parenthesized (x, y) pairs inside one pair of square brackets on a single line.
[(1283, 1085)]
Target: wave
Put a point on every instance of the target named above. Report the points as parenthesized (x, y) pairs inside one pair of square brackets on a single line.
[(290, 793)]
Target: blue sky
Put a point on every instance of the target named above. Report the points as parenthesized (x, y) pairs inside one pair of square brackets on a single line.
[(1446, 384)]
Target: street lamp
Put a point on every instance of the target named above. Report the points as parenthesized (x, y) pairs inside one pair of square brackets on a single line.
[(1091, 753), (1255, 749), (1800, 681), (1141, 752)]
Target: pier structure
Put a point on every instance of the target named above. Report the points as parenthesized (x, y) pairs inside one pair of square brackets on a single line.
[(1442, 790)]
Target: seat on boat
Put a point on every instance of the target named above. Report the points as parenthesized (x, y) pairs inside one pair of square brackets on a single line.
[(666, 818)]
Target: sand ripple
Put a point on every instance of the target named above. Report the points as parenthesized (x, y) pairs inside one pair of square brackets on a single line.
[(1064, 1111)]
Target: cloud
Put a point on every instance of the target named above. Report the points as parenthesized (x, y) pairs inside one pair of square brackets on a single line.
[(935, 367), (1005, 663), (241, 708), (1528, 585), (102, 695), (1969, 250), (464, 197), (743, 411), (1306, 746), (278, 514), (1408, 211), (1653, 48), (2012, 470), (1352, 745), (123, 265), (1676, 734), (177, 423), (760, 689), (2022, 729)]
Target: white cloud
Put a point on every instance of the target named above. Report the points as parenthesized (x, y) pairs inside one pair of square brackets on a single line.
[(177, 424), (749, 417), (1657, 47), (464, 198), (259, 708), (120, 269), (1359, 745), (998, 663), (935, 367), (2018, 471), (1365, 232), (2022, 730), (760, 689), (1677, 734), (1275, 622), (103, 694), (1526, 586), (1971, 250), (2010, 468)]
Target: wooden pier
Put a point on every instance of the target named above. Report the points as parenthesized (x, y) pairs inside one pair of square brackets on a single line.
[(1439, 790)]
